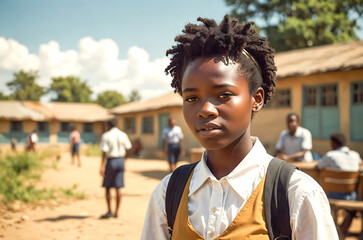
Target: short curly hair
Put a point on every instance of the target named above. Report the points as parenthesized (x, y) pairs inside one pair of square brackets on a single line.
[(225, 42)]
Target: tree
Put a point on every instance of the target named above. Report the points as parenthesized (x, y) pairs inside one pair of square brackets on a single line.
[(23, 86), (134, 96), (110, 99), (301, 23), (70, 89), (4, 97)]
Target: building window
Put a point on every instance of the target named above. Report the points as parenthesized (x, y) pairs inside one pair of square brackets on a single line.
[(311, 96), (65, 127), (16, 126), (148, 124), (281, 99), (329, 95), (42, 127), (357, 94), (88, 127), (130, 125)]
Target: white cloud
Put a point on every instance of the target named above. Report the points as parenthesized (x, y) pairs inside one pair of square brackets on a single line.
[(97, 62)]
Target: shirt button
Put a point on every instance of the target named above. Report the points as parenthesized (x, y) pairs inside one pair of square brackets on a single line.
[(214, 209), (211, 234)]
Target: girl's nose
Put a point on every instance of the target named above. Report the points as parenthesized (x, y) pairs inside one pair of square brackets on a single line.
[(208, 110)]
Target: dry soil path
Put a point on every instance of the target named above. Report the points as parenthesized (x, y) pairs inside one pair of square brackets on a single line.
[(79, 219)]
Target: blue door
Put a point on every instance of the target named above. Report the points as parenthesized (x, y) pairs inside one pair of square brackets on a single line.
[(163, 123), (321, 110), (356, 112)]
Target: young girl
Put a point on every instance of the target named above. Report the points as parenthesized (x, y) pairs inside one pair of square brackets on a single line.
[(225, 73)]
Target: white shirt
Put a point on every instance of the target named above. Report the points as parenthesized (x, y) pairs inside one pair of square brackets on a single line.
[(292, 144), (173, 135), (34, 137), (309, 208), (114, 143), (341, 158)]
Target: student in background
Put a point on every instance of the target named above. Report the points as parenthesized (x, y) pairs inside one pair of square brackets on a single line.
[(116, 147), (75, 140), (13, 144), (31, 141), (294, 143), (342, 158), (172, 143)]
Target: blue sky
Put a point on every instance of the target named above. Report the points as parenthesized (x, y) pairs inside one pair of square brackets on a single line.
[(112, 45), (151, 25)]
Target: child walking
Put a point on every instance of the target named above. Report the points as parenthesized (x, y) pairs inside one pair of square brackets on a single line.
[(225, 73)]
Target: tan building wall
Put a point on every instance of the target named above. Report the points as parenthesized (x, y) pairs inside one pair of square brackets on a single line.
[(4, 126), (268, 123), (54, 127), (150, 142)]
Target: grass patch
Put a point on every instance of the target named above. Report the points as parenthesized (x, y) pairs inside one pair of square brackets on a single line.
[(93, 150), (19, 174)]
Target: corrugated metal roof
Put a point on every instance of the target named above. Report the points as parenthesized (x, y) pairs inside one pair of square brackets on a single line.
[(320, 59), (15, 110), (37, 111), (168, 100)]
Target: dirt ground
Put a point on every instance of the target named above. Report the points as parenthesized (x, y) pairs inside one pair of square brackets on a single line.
[(79, 219)]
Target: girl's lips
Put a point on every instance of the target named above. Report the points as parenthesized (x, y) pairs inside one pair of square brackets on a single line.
[(209, 129), (209, 132)]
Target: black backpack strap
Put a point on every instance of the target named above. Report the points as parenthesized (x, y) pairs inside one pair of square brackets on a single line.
[(174, 192), (276, 203)]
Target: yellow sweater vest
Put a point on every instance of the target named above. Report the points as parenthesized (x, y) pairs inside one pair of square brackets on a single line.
[(248, 224)]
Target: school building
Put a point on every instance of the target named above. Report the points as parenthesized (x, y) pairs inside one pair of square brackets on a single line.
[(52, 121), (324, 85)]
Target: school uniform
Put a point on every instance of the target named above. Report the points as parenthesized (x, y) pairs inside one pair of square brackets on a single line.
[(173, 136), (213, 206), (343, 159), (114, 143), (291, 144)]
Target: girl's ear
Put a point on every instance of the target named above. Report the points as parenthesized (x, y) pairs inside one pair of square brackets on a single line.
[(258, 96)]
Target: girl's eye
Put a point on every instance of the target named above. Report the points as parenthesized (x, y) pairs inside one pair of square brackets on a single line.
[(190, 99), (224, 95)]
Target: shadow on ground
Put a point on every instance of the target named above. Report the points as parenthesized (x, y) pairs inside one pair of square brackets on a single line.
[(61, 218), (155, 174)]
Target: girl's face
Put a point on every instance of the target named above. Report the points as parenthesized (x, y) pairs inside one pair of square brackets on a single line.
[(217, 105)]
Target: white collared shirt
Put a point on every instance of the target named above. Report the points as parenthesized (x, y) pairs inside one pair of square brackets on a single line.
[(114, 143), (213, 204), (301, 140), (341, 158), (173, 135)]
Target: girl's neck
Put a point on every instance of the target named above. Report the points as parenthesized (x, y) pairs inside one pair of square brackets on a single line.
[(222, 161)]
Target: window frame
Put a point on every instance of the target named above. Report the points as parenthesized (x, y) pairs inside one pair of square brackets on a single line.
[(146, 124)]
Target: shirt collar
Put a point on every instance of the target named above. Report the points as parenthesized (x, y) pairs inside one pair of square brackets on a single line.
[(248, 168), (343, 149)]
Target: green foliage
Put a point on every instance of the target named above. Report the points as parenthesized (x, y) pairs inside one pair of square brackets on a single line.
[(134, 96), (93, 150), (110, 99), (302, 23), (24, 87), (4, 97), (19, 173), (70, 89), (72, 192)]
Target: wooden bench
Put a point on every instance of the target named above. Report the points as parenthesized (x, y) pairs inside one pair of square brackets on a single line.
[(333, 180)]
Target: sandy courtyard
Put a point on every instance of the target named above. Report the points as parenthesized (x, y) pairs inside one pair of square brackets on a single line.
[(79, 219)]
